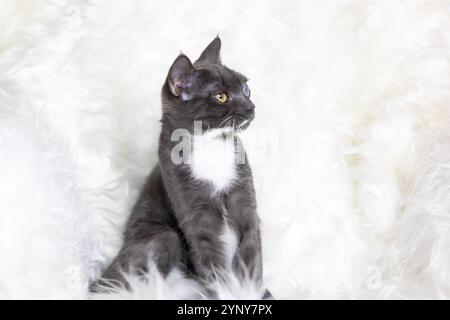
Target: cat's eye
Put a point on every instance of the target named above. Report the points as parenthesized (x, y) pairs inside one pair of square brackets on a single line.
[(246, 90), (221, 97)]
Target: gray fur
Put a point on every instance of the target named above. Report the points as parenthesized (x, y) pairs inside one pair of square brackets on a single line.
[(177, 221)]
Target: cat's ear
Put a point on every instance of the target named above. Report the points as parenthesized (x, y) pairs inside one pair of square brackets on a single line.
[(211, 55), (180, 75)]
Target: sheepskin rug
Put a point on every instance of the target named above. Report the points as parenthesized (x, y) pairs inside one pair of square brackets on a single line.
[(350, 147)]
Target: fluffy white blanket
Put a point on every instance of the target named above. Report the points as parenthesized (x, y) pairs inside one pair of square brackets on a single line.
[(350, 148)]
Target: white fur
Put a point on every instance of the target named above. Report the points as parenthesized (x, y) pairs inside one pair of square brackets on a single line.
[(229, 241), (349, 147), (174, 286), (213, 160)]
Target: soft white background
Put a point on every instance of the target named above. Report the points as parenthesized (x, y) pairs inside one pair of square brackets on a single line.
[(350, 148)]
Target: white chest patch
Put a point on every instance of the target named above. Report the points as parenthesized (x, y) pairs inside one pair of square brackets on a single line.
[(213, 160)]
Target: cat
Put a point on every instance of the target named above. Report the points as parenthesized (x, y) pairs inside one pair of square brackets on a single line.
[(197, 210)]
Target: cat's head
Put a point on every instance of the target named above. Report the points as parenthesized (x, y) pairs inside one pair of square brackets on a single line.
[(207, 91)]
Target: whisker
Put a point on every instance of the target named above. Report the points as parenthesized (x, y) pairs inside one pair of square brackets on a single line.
[(220, 124)]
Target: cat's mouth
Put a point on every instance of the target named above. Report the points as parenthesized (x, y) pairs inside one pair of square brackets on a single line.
[(242, 122)]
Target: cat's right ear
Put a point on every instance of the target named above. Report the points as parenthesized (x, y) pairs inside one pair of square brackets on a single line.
[(180, 75), (211, 55)]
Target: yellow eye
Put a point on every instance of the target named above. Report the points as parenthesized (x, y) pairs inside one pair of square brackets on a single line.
[(221, 97)]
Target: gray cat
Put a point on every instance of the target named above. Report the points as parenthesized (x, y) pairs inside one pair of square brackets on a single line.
[(197, 211)]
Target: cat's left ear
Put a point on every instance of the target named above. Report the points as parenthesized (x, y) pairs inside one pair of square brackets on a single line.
[(180, 75), (211, 55)]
